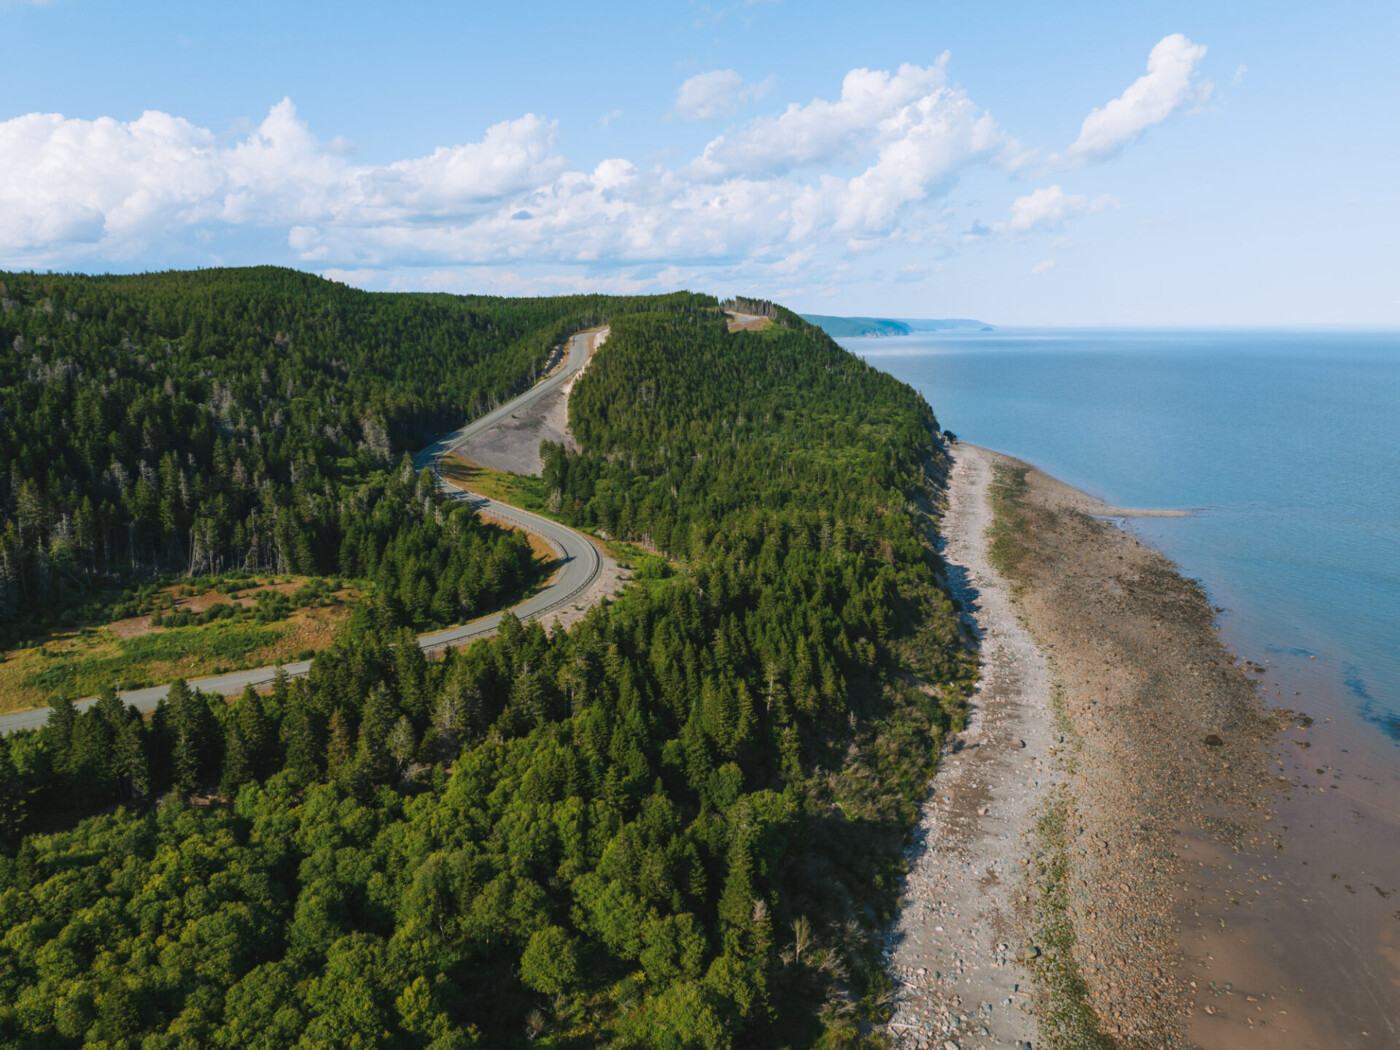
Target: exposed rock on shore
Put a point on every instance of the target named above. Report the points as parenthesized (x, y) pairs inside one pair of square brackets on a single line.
[(1110, 731), (1167, 742)]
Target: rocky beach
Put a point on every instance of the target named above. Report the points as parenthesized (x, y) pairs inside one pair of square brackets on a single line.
[(1099, 861)]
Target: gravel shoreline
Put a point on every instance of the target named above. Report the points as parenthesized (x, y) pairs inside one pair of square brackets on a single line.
[(953, 951)]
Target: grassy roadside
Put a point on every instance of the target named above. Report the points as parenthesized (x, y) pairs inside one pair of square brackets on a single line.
[(527, 492), (519, 490), (1066, 1017), (224, 626)]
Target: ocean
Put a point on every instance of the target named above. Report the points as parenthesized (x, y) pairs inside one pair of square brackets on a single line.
[(1286, 443)]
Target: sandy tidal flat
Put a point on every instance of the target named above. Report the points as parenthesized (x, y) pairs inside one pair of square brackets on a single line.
[(1154, 914)]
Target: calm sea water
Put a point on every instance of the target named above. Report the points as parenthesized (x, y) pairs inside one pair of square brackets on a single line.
[(1287, 442)]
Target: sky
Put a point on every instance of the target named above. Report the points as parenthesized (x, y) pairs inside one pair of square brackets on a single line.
[(1059, 164)]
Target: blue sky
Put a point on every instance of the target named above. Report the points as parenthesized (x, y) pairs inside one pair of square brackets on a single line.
[(1025, 164)]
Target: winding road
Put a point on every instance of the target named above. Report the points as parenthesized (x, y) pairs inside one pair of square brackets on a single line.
[(578, 559)]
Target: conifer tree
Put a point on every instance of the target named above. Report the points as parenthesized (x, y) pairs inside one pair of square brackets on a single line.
[(254, 733), (62, 717), (303, 751), (188, 742), (13, 802), (376, 722), (237, 769), (134, 769), (340, 745), (402, 746)]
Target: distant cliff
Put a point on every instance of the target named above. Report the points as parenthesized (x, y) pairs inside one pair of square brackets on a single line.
[(844, 327)]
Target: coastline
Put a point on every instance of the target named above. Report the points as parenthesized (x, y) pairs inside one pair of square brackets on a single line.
[(954, 950), (1167, 744), (1168, 898)]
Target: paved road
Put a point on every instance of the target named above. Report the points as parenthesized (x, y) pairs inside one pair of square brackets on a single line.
[(579, 562)]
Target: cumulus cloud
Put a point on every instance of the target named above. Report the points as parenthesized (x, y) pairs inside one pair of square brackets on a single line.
[(925, 146), (1044, 266), (1048, 208), (871, 110), (717, 94), (71, 188), (805, 189), (122, 183), (1172, 82)]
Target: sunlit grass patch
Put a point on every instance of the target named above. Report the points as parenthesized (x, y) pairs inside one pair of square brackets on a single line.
[(188, 632), (519, 490)]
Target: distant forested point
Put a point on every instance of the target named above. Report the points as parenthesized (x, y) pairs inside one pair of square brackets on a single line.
[(678, 823), (851, 327)]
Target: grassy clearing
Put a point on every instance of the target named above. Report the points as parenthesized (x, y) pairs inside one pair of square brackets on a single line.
[(267, 628), (758, 325), (1007, 547), (520, 490)]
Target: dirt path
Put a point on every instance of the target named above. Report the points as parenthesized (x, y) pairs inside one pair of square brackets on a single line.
[(954, 949)]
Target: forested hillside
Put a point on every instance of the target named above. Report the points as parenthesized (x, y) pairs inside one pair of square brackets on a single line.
[(677, 824), (238, 420)]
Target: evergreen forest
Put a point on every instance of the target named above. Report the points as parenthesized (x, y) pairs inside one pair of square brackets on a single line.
[(678, 823), (254, 420)]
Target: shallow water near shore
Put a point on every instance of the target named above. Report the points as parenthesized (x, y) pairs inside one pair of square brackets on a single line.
[(1288, 444)]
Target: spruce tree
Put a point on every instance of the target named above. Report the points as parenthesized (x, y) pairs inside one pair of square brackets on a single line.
[(340, 745), (254, 732), (402, 745), (190, 743), (13, 799), (301, 746), (62, 718), (135, 765), (237, 765)]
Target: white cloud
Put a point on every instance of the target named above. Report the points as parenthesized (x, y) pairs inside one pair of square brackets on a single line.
[(717, 94), (514, 155), (822, 132), (926, 145), (1172, 81), (1239, 73), (1044, 266), (123, 184), (106, 189), (792, 195), (1048, 208), (608, 117)]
